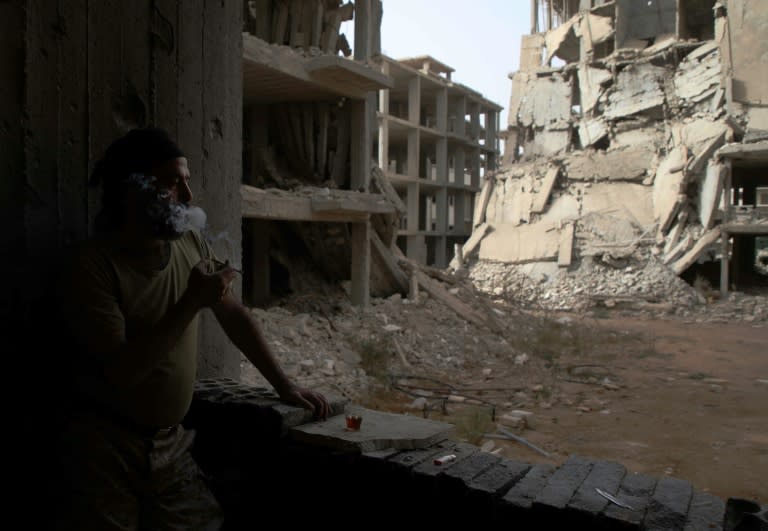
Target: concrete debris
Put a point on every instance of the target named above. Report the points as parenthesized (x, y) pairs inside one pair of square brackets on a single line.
[(629, 164), (638, 88), (657, 126), (547, 101), (591, 85)]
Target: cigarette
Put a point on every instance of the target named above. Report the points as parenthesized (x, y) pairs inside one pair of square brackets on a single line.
[(221, 265)]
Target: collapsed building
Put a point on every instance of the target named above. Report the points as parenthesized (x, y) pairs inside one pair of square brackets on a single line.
[(637, 142)]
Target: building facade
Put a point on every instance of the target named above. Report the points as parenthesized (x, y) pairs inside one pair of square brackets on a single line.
[(437, 142)]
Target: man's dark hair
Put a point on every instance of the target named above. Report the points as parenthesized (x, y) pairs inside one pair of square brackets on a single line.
[(135, 153)]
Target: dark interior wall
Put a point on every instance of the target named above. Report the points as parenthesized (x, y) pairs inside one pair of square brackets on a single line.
[(11, 159), (76, 75), (644, 19)]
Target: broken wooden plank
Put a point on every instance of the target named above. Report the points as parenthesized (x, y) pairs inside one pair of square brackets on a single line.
[(701, 245)]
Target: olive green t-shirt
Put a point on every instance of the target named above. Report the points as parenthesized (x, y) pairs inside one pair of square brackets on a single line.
[(105, 296)]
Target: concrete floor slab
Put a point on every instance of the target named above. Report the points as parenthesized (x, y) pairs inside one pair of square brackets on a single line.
[(378, 431)]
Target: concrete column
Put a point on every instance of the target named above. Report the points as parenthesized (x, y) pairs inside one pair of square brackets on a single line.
[(361, 263), (474, 168), (412, 162), (474, 120), (461, 113), (363, 16), (442, 110), (441, 250), (459, 161), (384, 123), (412, 208), (414, 100), (459, 211), (416, 248), (491, 129), (534, 16), (441, 201), (549, 14), (361, 140), (360, 163), (724, 236)]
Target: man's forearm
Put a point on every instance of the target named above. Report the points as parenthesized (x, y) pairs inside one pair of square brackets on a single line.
[(244, 333), (133, 361)]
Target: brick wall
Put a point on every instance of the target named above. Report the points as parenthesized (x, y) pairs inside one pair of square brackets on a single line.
[(260, 470)]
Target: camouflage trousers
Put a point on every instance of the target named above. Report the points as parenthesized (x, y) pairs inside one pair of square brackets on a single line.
[(109, 477)]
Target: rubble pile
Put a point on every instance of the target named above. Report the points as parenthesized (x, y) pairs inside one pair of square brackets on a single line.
[(327, 343), (555, 288), (631, 165)]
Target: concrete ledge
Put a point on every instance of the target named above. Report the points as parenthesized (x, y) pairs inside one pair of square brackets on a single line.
[(344, 476)]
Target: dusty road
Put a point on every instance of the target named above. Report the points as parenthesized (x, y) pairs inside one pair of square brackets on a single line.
[(689, 400)]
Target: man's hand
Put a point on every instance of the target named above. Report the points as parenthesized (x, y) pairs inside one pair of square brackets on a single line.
[(307, 399), (207, 286)]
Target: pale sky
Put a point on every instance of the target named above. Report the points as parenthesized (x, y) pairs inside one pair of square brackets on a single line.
[(480, 39)]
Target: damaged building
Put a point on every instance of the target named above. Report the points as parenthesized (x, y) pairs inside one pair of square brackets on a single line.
[(637, 141), (436, 140)]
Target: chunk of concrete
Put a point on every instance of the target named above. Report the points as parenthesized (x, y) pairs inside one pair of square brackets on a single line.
[(562, 41), (565, 251), (520, 89), (548, 142), (591, 86), (710, 191), (378, 431), (542, 196), (547, 101), (639, 87), (698, 75), (690, 257), (592, 131), (633, 201), (563, 209), (667, 186), (628, 164), (525, 243)]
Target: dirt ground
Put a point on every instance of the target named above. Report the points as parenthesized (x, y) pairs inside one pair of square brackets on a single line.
[(671, 398), (680, 396)]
